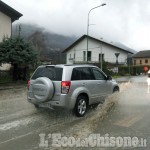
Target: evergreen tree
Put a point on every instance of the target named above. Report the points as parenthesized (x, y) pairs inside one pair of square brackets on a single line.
[(17, 52)]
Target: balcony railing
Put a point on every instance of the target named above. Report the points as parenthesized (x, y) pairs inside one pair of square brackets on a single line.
[(95, 60)]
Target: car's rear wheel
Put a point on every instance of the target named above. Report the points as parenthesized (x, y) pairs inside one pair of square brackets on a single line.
[(36, 106), (81, 106)]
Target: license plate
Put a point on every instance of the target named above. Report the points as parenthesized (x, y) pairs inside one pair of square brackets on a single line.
[(47, 105)]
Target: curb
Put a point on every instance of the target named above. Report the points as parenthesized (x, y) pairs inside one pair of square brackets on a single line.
[(11, 87)]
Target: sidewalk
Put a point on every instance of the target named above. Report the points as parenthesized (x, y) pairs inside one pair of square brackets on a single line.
[(7, 86), (135, 79)]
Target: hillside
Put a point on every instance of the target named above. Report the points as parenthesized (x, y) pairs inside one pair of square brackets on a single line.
[(49, 45)]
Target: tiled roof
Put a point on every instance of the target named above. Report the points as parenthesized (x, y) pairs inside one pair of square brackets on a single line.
[(142, 54)]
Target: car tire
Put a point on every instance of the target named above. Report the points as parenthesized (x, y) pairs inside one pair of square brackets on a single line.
[(36, 106), (81, 106), (116, 89)]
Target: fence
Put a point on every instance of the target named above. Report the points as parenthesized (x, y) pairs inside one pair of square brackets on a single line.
[(13, 75)]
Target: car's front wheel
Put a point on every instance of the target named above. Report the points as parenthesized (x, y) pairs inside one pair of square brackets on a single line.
[(81, 106), (116, 89)]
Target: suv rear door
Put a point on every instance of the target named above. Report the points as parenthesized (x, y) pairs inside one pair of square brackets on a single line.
[(53, 73)]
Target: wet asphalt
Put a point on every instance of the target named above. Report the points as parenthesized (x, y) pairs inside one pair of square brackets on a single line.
[(125, 114)]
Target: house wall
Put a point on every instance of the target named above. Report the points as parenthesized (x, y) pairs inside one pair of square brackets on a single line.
[(5, 31), (95, 47), (141, 62), (5, 67), (5, 26)]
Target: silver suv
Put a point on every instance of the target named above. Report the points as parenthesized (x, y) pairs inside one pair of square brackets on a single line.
[(69, 86)]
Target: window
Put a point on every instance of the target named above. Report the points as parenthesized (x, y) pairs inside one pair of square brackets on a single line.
[(146, 61), (101, 56), (82, 73), (84, 55), (98, 75), (140, 61), (89, 55), (76, 74), (134, 62), (86, 74), (54, 74)]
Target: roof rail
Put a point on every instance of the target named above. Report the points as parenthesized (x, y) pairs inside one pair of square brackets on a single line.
[(78, 64)]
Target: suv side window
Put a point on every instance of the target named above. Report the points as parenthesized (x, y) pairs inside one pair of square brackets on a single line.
[(98, 75), (82, 73), (76, 74), (86, 74)]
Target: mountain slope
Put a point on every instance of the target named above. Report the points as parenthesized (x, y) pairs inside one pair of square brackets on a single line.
[(49, 45)]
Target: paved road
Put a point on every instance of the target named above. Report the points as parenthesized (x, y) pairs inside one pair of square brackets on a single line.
[(130, 117), (21, 123)]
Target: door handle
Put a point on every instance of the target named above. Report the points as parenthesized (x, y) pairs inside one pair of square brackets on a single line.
[(83, 84)]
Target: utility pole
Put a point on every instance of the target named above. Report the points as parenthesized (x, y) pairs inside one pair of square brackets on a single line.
[(88, 28), (74, 57), (101, 56), (117, 55), (18, 29)]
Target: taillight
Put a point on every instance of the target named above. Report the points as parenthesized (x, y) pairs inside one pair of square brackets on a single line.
[(28, 84), (65, 87)]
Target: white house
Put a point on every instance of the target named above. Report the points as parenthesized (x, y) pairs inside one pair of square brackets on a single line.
[(7, 16), (97, 50)]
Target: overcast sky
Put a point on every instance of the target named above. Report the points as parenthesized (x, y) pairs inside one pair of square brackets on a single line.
[(125, 21)]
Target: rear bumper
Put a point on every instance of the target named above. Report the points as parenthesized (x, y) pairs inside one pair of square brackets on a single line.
[(64, 101)]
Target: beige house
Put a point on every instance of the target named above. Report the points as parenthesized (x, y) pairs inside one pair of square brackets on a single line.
[(141, 58), (7, 16)]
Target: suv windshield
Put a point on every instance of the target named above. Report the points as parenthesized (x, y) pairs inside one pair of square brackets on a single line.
[(53, 73)]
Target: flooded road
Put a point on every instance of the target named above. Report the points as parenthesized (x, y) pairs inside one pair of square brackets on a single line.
[(123, 114)]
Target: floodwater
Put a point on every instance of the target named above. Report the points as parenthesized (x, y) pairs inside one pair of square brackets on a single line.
[(21, 123)]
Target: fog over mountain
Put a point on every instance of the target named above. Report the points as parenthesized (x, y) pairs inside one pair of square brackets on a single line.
[(49, 45), (125, 21)]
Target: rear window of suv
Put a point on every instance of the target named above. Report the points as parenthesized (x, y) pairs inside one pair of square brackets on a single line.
[(53, 73)]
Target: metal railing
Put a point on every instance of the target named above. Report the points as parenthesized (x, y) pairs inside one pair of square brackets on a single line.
[(96, 60)]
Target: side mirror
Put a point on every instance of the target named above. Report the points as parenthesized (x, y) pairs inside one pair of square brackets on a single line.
[(109, 78)]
